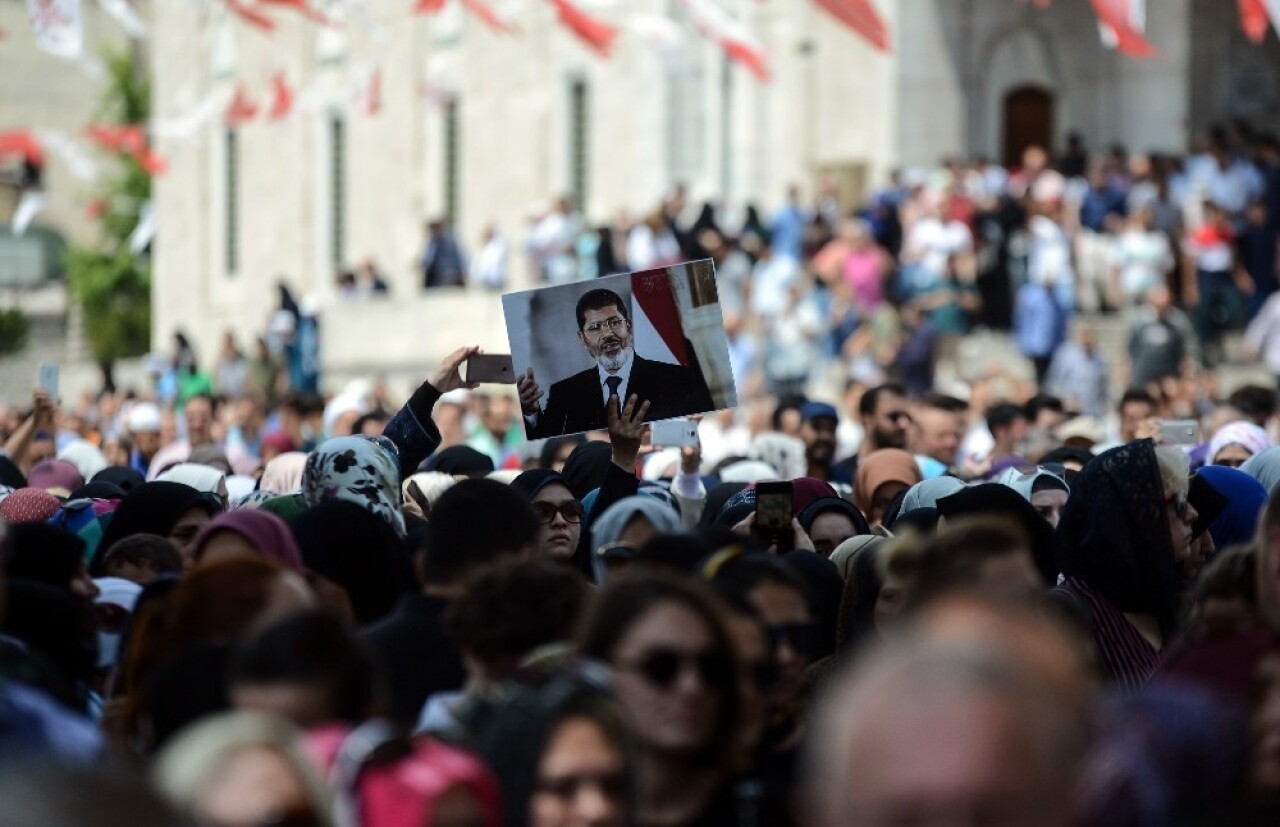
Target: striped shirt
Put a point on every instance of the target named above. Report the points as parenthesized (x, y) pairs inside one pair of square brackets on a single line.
[(1128, 658)]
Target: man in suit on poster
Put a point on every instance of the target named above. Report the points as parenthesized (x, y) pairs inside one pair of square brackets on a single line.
[(578, 403)]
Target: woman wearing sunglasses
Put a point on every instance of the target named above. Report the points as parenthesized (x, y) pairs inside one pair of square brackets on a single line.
[(676, 679), (559, 512)]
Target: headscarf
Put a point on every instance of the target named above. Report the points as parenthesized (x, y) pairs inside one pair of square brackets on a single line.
[(1245, 434), (805, 490), (44, 554), (858, 559), (210, 455), (880, 467), (930, 468), (1245, 500), (152, 508), (114, 591), (843, 556), (926, 494), (1025, 482), (923, 520), (266, 532), (585, 468), (283, 475), (238, 485), (1264, 467), (252, 500), (10, 475), (610, 525), (98, 491), (1114, 533), (531, 482), (200, 477), (287, 507), (56, 476), (460, 459), (196, 755), (823, 505), (716, 498), (994, 499), (280, 442), (737, 508), (85, 456), (351, 547), (127, 478), (28, 505), (359, 469)]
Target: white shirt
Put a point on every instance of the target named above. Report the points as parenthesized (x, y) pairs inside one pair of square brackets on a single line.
[(624, 372)]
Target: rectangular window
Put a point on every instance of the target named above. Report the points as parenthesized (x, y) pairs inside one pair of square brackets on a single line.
[(338, 191), (231, 187), (578, 144), (451, 171)]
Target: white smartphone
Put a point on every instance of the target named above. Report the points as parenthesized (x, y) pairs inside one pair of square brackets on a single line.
[(1179, 432), (48, 379), (674, 433)]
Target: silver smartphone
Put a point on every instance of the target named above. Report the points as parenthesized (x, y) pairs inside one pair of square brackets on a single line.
[(1179, 432), (495, 369)]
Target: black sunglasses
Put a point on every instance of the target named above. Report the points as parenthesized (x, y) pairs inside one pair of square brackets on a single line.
[(802, 637), (571, 510), (661, 667)]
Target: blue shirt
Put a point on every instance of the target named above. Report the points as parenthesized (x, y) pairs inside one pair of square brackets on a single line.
[(788, 232), (1039, 324), (1097, 205)]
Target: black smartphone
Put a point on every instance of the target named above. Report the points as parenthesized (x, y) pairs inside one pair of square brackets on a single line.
[(494, 369), (773, 515)]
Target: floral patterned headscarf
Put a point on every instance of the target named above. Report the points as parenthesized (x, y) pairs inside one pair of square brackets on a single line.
[(362, 470)]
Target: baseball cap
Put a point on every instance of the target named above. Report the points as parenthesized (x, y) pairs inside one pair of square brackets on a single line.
[(817, 410)]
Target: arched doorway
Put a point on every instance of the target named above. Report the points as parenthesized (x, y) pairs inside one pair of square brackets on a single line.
[(1028, 121)]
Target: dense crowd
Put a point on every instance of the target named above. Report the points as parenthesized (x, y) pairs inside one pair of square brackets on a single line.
[(948, 596)]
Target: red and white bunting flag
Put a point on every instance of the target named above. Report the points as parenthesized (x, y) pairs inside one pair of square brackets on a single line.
[(254, 17), (129, 139), (21, 142), (1123, 21), (861, 16), (595, 33), (281, 98), (713, 22), (58, 26), (241, 110)]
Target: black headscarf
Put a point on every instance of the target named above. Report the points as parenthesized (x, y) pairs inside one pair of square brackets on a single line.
[(359, 551), (824, 587), (893, 512), (531, 482), (716, 498), (737, 508), (98, 491), (923, 520), (993, 499), (10, 474), (44, 554), (460, 459), (585, 468), (1114, 533), (824, 504), (126, 478), (153, 508), (58, 628)]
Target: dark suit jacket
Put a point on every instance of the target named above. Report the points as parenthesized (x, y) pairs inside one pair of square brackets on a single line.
[(574, 404)]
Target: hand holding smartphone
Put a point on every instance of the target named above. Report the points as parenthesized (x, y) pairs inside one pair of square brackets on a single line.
[(773, 515)]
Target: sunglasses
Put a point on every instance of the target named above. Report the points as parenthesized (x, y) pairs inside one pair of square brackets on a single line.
[(802, 637), (661, 667), (1180, 505), (611, 784), (571, 510)]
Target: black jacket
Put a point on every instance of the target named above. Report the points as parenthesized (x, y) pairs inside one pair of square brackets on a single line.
[(416, 653)]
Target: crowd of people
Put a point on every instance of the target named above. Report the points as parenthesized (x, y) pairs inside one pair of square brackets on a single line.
[(944, 597)]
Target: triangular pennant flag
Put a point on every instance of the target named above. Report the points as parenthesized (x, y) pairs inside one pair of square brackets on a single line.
[(21, 142), (250, 15), (491, 18), (739, 44), (595, 33), (129, 139), (1117, 16), (241, 109), (860, 16), (281, 97)]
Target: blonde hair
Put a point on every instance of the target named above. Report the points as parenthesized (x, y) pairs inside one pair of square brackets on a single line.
[(1175, 471)]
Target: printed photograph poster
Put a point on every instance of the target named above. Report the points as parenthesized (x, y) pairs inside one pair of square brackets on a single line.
[(658, 334)]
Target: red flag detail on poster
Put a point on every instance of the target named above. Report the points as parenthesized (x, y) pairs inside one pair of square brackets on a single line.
[(597, 34), (713, 22), (861, 16), (654, 307), (1253, 19), (281, 97), (254, 17), (58, 26), (491, 18), (21, 142), (1117, 16), (241, 109)]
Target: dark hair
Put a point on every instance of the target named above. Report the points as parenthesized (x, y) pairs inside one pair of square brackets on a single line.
[(1231, 574), (1043, 402), (599, 299), (629, 596), (212, 400), (1254, 401), (474, 523), (744, 573), (943, 402), (315, 649), (515, 607), (145, 551), (378, 415), (786, 402), (871, 399), (1136, 395), (951, 560), (1002, 415)]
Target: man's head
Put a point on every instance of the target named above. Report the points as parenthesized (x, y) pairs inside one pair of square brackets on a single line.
[(885, 420), (1160, 298), (199, 415), (1255, 402), (818, 430), (1008, 425), (604, 328), (474, 523), (143, 423), (1136, 407), (939, 429)]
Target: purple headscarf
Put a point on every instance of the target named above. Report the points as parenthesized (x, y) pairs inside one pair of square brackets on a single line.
[(266, 532)]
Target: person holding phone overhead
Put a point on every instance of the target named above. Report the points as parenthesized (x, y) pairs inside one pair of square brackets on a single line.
[(578, 403)]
